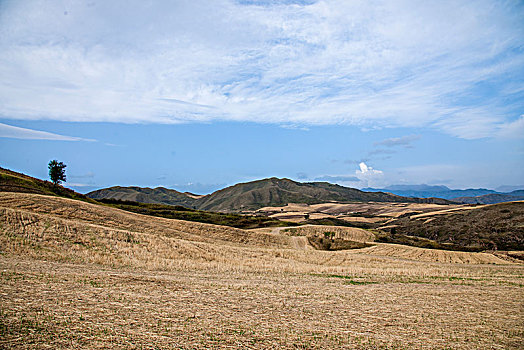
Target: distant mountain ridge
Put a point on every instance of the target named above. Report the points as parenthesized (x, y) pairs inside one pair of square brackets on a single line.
[(159, 195), (426, 191), (493, 198), (470, 195), (255, 194)]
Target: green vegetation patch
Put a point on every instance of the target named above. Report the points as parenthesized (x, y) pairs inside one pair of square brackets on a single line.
[(181, 213), (323, 243)]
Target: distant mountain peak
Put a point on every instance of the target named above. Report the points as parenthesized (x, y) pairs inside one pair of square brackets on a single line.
[(256, 194), (430, 191), (422, 187)]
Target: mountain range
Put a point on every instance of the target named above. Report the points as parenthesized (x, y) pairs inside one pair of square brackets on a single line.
[(476, 228), (255, 195), (470, 195)]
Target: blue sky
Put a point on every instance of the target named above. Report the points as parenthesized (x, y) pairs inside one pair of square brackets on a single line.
[(196, 95)]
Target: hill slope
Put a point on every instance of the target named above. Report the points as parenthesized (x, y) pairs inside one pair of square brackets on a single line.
[(62, 229), (138, 200), (497, 226), (258, 194), (62, 220), (159, 195), (11, 181), (83, 276)]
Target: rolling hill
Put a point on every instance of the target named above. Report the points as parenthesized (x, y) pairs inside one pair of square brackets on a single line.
[(63, 229), (159, 195), (488, 227), (138, 200), (12, 181), (449, 227), (85, 276), (257, 194)]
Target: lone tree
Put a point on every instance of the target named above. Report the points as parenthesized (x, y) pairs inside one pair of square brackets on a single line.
[(57, 171)]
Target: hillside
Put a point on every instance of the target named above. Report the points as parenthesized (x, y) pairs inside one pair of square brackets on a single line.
[(277, 192), (85, 276), (258, 194), (137, 200), (159, 195), (494, 227), (182, 213), (12, 181), (71, 230)]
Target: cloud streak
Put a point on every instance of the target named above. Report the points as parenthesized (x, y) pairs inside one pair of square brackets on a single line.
[(398, 141), (15, 132), (450, 65)]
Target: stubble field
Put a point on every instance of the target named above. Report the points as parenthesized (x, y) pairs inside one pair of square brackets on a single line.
[(76, 275)]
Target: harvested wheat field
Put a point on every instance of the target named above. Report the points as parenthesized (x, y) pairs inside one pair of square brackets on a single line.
[(77, 275), (349, 233), (366, 212)]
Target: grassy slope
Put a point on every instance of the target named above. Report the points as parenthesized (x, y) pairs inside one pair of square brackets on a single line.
[(83, 276), (492, 227), (11, 181), (72, 230)]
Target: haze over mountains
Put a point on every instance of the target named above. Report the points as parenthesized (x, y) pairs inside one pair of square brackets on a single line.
[(470, 195)]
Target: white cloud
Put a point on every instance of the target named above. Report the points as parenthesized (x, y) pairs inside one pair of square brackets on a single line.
[(369, 176), (371, 64), (29, 134), (513, 129), (365, 169), (398, 141)]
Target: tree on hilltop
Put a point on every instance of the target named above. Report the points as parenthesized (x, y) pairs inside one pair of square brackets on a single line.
[(57, 171)]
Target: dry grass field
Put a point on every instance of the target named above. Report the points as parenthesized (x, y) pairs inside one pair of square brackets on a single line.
[(355, 212), (348, 233), (368, 209), (77, 275)]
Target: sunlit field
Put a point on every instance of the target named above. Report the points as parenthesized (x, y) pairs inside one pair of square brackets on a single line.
[(78, 275)]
